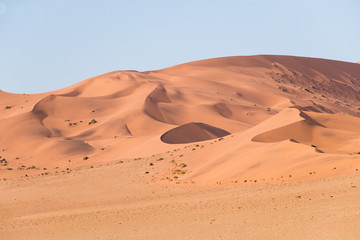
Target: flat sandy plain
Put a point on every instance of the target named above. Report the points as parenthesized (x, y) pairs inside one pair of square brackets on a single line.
[(257, 147)]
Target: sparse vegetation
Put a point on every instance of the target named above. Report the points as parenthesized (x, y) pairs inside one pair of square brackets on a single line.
[(178, 171)]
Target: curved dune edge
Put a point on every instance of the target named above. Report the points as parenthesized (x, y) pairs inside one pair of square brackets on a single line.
[(326, 132), (192, 132)]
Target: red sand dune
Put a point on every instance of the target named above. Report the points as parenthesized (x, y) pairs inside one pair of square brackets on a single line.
[(262, 101), (164, 154)]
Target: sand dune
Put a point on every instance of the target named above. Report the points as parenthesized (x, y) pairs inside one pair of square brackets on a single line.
[(224, 122), (192, 102)]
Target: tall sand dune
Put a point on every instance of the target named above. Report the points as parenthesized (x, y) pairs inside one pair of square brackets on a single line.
[(124, 115), (256, 147)]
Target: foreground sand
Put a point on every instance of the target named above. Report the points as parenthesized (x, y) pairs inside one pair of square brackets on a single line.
[(110, 202)]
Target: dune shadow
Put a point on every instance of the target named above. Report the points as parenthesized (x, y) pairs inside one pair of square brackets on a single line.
[(193, 132)]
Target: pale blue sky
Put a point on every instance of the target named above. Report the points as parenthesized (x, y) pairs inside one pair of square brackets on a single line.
[(50, 44)]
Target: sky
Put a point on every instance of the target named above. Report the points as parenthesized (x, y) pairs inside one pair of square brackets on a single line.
[(46, 45)]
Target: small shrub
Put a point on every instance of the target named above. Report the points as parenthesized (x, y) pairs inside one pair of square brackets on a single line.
[(182, 165), (93, 121), (85, 158), (7, 107)]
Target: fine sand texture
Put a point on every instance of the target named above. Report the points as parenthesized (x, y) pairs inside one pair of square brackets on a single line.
[(253, 147)]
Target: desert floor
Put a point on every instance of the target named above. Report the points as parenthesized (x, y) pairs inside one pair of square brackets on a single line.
[(100, 203)]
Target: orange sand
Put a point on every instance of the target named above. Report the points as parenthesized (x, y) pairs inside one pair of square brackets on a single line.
[(183, 147)]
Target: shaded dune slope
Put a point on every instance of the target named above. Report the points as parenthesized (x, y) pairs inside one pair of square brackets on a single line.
[(193, 132)]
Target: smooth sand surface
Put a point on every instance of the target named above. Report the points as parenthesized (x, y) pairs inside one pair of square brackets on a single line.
[(257, 147)]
